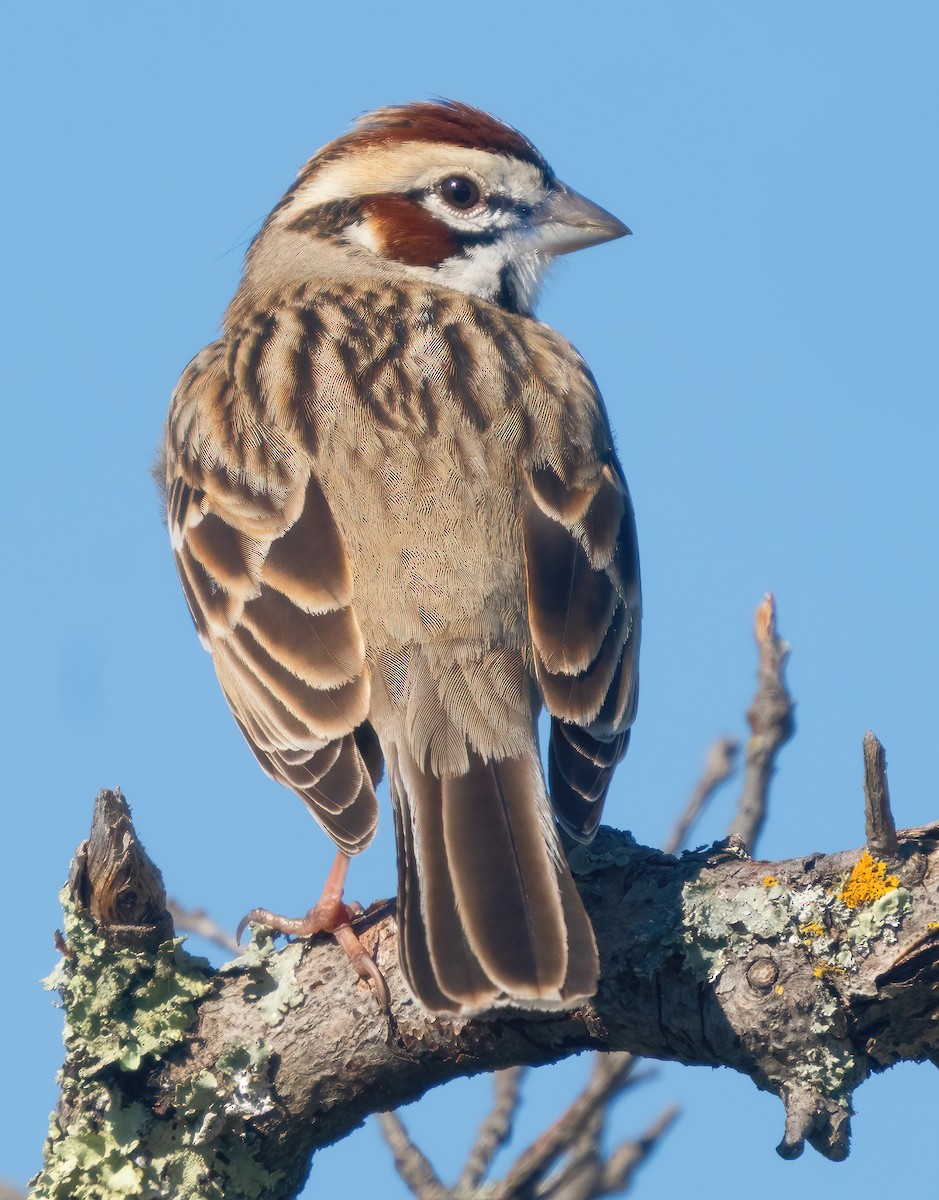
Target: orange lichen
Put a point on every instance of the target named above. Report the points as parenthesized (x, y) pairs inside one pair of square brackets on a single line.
[(770, 881), (867, 882), (813, 928), (827, 969)]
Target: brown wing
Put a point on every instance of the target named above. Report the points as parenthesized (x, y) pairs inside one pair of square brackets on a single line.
[(269, 586), (584, 608)]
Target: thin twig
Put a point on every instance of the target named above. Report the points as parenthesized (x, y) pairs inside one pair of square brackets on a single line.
[(719, 765), (772, 725), (585, 1172), (580, 1173), (574, 1141), (607, 1080), (627, 1158), (198, 921), (411, 1164), (881, 828), (495, 1130)]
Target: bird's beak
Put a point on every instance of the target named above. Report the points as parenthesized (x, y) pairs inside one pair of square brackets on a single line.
[(570, 221)]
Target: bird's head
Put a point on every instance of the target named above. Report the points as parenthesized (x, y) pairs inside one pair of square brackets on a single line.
[(437, 190)]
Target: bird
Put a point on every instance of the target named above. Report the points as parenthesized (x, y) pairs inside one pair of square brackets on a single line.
[(402, 530)]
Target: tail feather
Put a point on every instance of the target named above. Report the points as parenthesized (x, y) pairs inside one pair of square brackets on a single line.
[(487, 910), (582, 959), (413, 948), (505, 882)]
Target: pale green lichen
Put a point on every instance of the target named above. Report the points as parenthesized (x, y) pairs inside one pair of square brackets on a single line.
[(826, 1062), (272, 975), (835, 934), (881, 919), (609, 850), (717, 927), (124, 1012), (238, 1085), (111, 1151), (123, 1007)]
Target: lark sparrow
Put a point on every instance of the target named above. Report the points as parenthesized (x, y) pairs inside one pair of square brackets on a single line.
[(401, 526)]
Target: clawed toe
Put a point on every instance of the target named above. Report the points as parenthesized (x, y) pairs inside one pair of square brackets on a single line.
[(296, 926), (365, 965), (328, 915)]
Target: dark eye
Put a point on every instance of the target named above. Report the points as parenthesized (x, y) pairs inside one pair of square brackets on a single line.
[(459, 192)]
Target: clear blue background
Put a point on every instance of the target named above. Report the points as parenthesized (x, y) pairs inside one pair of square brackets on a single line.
[(767, 346)]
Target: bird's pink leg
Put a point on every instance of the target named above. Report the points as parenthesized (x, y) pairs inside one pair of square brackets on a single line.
[(330, 914)]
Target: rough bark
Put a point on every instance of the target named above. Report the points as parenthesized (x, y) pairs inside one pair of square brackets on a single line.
[(806, 975)]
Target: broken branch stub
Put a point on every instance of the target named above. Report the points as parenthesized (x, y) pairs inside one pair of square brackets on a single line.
[(879, 824)]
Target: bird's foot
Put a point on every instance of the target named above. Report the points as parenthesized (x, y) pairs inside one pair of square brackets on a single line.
[(330, 914)]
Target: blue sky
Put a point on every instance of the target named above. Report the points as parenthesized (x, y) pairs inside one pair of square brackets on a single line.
[(766, 342)]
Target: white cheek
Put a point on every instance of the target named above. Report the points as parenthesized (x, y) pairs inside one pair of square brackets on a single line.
[(362, 234)]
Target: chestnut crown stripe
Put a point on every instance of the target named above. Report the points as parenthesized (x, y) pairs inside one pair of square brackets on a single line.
[(447, 122)]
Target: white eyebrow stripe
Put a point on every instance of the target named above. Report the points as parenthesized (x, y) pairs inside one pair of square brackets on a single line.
[(409, 166)]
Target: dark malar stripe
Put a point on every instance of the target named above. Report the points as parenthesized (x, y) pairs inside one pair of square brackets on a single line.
[(507, 295)]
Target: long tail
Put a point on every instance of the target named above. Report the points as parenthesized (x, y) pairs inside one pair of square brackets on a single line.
[(487, 910)]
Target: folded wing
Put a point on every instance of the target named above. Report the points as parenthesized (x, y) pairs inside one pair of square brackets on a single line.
[(270, 590), (584, 605)]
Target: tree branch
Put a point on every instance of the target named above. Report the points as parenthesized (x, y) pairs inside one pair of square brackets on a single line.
[(495, 1130), (411, 1163), (575, 1137), (805, 975), (771, 724)]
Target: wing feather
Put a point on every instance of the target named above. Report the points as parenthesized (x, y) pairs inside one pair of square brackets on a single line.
[(582, 571), (270, 589)]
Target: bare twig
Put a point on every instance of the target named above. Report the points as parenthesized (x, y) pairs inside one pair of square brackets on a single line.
[(611, 1074), (719, 765), (198, 921), (574, 1141), (582, 1162), (771, 722), (495, 1130), (881, 829), (586, 1173), (627, 1158), (411, 1164)]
